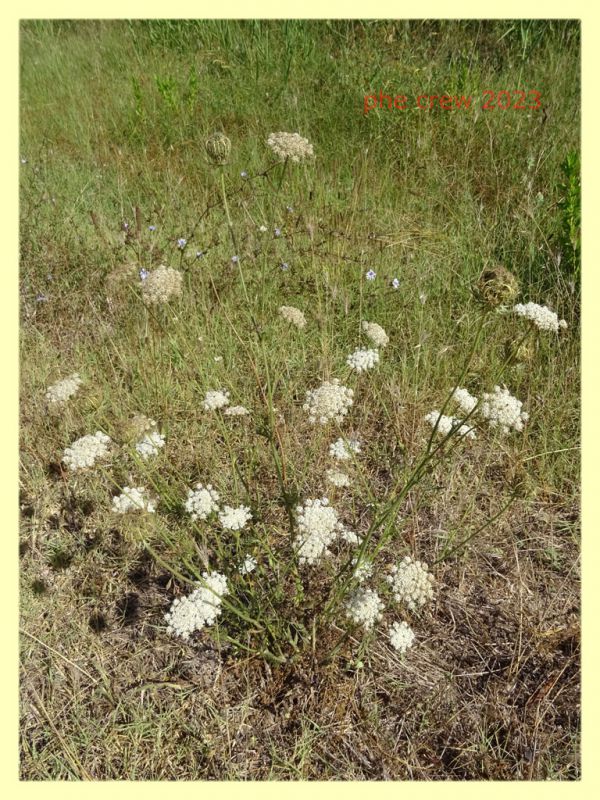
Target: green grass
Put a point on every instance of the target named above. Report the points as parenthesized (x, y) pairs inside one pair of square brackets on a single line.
[(114, 116)]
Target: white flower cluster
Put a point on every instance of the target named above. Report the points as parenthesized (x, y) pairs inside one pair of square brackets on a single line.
[(541, 316), (234, 519), (200, 608), (248, 566), (318, 526), (411, 583), (86, 451), (362, 570), (150, 444), (161, 285), (446, 424), (290, 145), (465, 401), (362, 360), (132, 499), (342, 449), (202, 501), (236, 411), (402, 636), (364, 607), (293, 315), (215, 400), (60, 392), (503, 411), (338, 478), (376, 334), (330, 401)]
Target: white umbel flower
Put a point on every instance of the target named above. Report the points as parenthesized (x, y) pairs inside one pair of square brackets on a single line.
[(202, 501), (215, 400), (362, 570), (465, 401), (200, 608), (362, 360), (234, 519), (133, 498), (411, 583), (290, 145), (293, 315), (448, 424), (248, 566), (330, 401), (375, 333), (318, 526), (402, 636), (86, 451), (161, 285), (541, 316), (364, 607), (338, 478), (60, 392), (150, 444), (503, 411), (236, 411), (342, 449)]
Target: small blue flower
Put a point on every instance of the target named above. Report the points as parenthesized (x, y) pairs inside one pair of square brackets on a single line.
[(396, 283), (371, 275), (290, 210), (125, 226), (243, 174), (285, 266), (41, 298), (277, 232), (235, 259), (144, 274), (151, 227), (181, 243)]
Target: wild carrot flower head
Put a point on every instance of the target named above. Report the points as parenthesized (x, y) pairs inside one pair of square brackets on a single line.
[(375, 333), (496, 286), (161, 285), (402, 636), (150, 444), (363, 360), (342, 449), (248, 566), (364, 607), (465, 401), (541, 316), (84, 452), (338, 478), (218, 148), (60, 392), (411, 583), (133, 498), (290, 146), (503, 411), (234, 519), (330, 401), (200, 608), (318, 526), (202, 501), (236, 411), (215, 400), (293, 315), (446, 425)]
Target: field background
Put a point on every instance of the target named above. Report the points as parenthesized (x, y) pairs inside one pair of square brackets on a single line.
[(114, 116)]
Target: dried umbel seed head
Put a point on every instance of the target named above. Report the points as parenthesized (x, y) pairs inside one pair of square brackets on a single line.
[(496, 286), (218, 148), (137, 427), (521, 353)]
